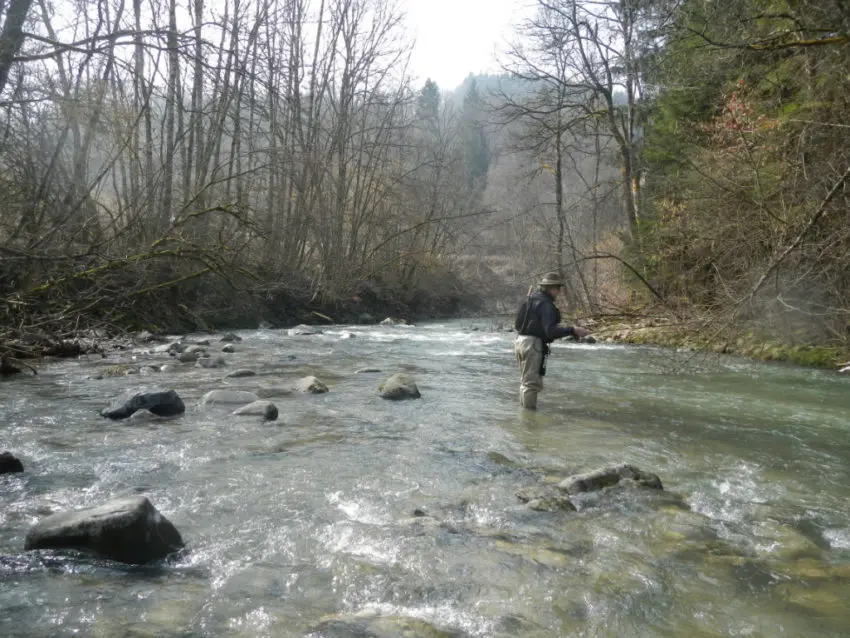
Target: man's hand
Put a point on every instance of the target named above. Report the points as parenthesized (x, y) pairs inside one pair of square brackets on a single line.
[(580, 333)]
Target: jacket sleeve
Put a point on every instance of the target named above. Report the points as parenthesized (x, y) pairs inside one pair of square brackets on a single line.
[(550, 326)]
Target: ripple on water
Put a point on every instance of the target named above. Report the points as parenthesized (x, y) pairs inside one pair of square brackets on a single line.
[(309, 519)]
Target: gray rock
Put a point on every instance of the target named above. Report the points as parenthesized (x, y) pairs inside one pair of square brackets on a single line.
[(229, 349), (398, 387), (173, 348), (606, 476), (9, 464), (588, 339), (147, 371), (265, 409), (231, 338), (310, 385), (237, 374), (368, 371), (202, 342), (303, 331), (217, 362), (228, 396), (166, 403), (195, 348), (167, 368), (130, 530), (188, 357)]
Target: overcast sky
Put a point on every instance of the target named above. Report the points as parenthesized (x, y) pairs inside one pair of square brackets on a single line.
[(458, 37)]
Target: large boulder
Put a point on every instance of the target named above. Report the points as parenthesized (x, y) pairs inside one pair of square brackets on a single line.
[(160, 402), (228, 396), (10, 464), (130, 530), (265, 409), (310, 385), (398, 387), (607, 476)]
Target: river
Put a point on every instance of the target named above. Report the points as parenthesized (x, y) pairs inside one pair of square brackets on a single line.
[(304, 526)]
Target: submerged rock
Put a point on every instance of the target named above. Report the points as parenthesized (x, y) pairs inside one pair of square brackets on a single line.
[(310, 385), (228, 396), (604, 477), (546, 498), (369, 623), (164, 403), (347, 335), (266, 393), (265, 409), (231, 338), (228, 349), (398, 387), (368, 371), (211, 362), (10, 464), (129, 530), (303, 331), (238, 374)]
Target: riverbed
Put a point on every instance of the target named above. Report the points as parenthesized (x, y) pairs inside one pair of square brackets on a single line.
[(305, 526)]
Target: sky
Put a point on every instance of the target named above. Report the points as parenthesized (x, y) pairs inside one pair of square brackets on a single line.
[(457, 37)]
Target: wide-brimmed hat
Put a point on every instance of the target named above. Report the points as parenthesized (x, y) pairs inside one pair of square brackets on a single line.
[(551, 279)]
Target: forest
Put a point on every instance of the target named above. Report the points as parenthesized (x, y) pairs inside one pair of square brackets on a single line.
[(168, 166)]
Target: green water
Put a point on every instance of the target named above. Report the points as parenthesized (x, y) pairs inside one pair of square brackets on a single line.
[(305, 527)]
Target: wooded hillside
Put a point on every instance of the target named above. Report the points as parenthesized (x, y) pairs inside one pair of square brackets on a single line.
[(171, 165)]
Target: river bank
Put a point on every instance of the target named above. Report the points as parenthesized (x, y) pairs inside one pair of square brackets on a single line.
[(707, 336)]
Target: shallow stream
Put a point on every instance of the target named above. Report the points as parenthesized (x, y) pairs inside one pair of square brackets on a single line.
[(305, 527)]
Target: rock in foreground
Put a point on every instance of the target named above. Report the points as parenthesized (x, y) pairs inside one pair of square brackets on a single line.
[(9, 463), (604, 477), (398, 387), (129, 530), (161, 403)]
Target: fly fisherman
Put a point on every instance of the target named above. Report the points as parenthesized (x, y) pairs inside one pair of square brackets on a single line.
[(537, 324)]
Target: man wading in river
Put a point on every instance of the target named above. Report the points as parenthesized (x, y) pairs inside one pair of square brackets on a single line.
[(537, 324)]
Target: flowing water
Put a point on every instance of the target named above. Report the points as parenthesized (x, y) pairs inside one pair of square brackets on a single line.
[(305, 526)]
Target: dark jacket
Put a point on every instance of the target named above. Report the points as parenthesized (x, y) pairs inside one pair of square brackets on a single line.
[(539, 317)]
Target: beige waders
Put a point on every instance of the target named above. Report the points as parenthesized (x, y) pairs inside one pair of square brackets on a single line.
[(529, 357)]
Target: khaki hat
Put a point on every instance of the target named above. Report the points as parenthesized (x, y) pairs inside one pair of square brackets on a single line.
[(551, 279)]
